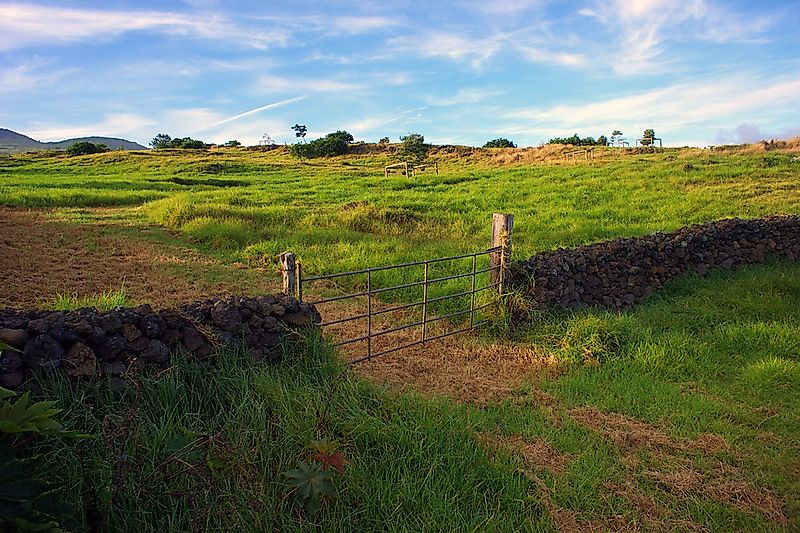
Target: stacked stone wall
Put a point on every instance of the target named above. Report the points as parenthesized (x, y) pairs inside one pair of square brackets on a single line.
[(618, 273), (86, 343)]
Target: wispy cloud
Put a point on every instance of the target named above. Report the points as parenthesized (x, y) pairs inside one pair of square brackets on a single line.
[(644, 27), (477, 51), (473, 95), (279, 84), (22, 25), (261, 109), (32, 74)]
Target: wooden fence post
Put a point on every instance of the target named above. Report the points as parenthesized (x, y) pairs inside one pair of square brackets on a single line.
[(502, 227), (289, 268)]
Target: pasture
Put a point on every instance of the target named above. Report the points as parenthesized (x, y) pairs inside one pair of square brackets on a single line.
[(679, 414)]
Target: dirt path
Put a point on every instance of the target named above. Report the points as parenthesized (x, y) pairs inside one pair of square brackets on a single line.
[(42, 256)]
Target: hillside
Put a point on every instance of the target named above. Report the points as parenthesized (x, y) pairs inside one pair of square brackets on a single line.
[(679, 413), (13, 142)]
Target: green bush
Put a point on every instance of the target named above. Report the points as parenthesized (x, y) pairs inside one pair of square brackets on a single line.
[(332, 144), (84, 147), (414, 149), (500, 143)]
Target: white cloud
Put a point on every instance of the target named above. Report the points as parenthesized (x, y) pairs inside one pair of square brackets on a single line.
[(23, 25), (746, 133), (32, 74), (113, 125), (279, 84), (681, 107), (463, 96)]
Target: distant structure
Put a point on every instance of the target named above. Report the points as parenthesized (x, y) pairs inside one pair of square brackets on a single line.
[(266, 140)]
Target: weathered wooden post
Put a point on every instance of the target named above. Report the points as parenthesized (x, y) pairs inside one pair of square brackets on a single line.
[(502, 227), (289, 268)]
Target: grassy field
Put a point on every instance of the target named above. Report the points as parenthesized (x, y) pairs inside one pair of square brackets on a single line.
[(680, 414)]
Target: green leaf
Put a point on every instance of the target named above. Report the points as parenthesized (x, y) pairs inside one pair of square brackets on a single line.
[(5, 347), (21, 416), (309, 484)]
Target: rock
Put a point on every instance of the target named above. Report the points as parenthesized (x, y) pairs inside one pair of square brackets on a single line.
[(170, 337), (110, 347), (110, 323), (192, 339), (14, 337), (139, 344), (152, 325), (12, 380), (130, 332), (114, 368), (80, 361), (44, 352), (156, 352), (298, 319), (226, 317), (10, 362)]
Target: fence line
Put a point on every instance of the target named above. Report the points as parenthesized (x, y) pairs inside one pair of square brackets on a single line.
[(499, 256)]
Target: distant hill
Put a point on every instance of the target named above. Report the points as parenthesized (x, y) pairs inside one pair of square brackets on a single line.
[(13, 142)]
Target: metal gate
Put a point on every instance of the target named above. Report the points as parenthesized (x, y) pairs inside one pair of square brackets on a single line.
[(496, 259)]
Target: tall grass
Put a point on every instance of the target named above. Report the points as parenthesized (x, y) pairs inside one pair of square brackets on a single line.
[(104, 301), (205, 448)]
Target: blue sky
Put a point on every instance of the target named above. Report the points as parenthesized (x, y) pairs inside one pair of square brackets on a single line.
[(699, 72)]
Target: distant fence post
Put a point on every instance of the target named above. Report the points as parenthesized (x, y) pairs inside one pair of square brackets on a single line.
[(289, 268), (502, 228)]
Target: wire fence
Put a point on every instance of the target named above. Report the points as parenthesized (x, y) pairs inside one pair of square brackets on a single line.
[(496, 279)]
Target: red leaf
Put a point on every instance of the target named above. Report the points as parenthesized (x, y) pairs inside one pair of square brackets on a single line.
[(334, 460)]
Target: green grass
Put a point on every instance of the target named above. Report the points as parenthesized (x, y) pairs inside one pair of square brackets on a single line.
[(719, 355), (701, 359), (342, 214), (104, 301)]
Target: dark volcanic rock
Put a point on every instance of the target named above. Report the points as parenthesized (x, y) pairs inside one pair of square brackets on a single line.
[(622, 272), (121, 342)]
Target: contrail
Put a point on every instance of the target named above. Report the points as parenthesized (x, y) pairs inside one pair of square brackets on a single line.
[(258, 110)]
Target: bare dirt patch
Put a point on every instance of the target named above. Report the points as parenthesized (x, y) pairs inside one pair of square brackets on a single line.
[(536, 452), (41, 257)]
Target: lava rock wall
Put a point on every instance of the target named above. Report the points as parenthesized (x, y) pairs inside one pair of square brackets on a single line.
[(621, 272), (87, 343)]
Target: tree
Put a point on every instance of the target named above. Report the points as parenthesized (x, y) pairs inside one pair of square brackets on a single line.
[(414, 148), (300, 131), (384, 140), (616, 137), (649, 137), (576, 140), (332, 144), (232, 144), (162, 140), (187, 142), (84, 147), (500, 143)]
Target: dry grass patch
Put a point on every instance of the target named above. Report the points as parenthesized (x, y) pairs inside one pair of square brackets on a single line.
[(536, 452), (667, 464)]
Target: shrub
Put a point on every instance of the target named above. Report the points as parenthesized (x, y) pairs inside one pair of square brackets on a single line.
[(84, 147), (332, 144), (162, 140), (500, 143), (414, 148)]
